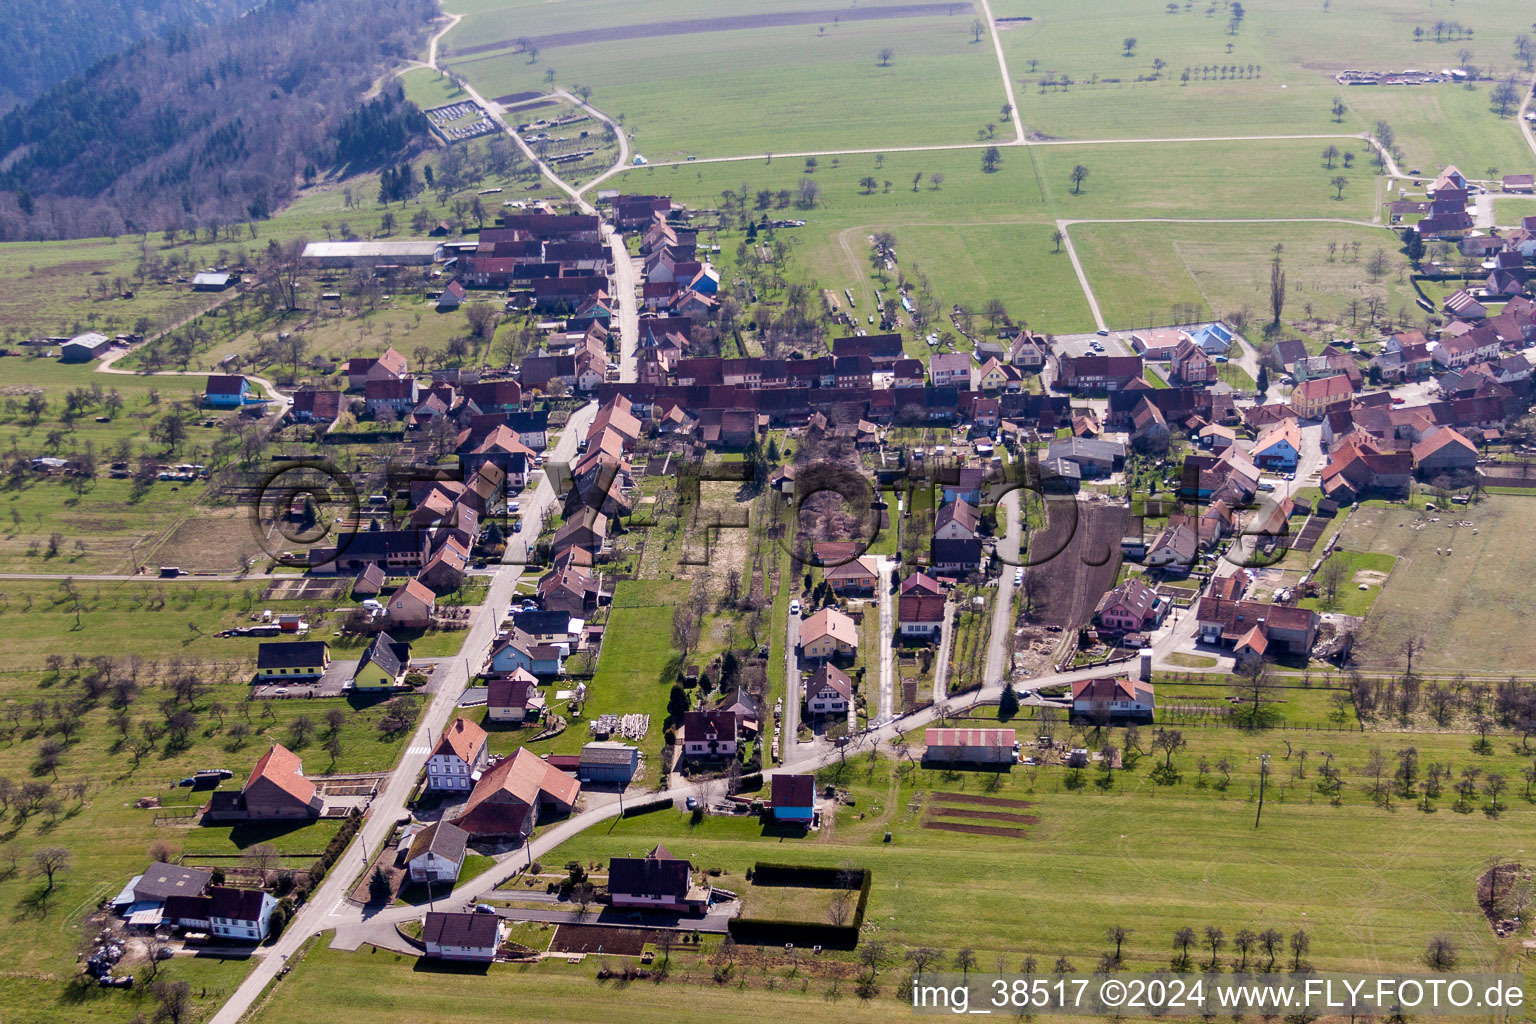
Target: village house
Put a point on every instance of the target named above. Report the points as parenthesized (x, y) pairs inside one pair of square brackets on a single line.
[(957, 520), (710, 734), (859, 576), (1113, 699), (282, 660), (460, 753), (1097, 373), (1279, 447), (411, 606), (276, 789), (793, 799), (955, 556), (313, 405), (1312, 398), (461, 936), (382, 665), (389, 366), (226, 391), (1191, 365), (828, 634), (1130, 608), (510, 698), (829, 691), (920, 615), (950, 368), (657, 881)]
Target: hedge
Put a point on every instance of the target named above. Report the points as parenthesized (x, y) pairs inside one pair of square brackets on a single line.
[(775, 931), (647, 806)]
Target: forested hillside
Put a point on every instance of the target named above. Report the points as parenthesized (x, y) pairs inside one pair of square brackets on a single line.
[(45, 43), (214, 124)]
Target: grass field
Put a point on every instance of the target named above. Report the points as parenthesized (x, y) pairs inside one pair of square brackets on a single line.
[(1465, 604), (107, 836), (1224, 268), (748, 90), (1294, 48)]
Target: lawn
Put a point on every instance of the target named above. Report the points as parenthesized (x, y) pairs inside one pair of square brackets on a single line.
[(1367, 570), (1459, 590)]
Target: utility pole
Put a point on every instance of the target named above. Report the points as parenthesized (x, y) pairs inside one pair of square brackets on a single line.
[(1263, 774)]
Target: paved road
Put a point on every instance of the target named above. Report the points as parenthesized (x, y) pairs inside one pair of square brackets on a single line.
[(1525, 126), (329, 904)]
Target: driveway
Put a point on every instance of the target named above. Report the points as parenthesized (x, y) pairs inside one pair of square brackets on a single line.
[(792, 696)]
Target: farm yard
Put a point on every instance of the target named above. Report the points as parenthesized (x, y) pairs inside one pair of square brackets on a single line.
[(1457, 590)]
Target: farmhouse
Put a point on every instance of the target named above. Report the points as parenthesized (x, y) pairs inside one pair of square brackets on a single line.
[(969, 746), (84, 347), (277, 789), (1226, 623), (509, 798), (1115, 699), (1092, 457), (1444, 452), (399, 253), (244, 915), (461, 752)]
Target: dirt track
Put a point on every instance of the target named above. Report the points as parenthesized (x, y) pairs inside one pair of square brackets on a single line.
[(731, 23)]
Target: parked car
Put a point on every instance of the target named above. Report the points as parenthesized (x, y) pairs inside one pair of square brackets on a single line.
[(691, 803), (517, 526), (484, 908), (1102, 332), (794, 606)]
